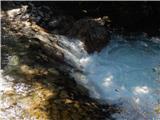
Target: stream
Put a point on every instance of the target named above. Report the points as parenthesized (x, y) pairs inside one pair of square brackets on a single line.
[(126, 73), (50, 76)]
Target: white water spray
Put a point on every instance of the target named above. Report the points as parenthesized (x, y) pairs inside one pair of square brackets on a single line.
[(124, 73)]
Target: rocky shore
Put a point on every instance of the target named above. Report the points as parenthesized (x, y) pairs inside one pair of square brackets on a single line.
[(38, 89)]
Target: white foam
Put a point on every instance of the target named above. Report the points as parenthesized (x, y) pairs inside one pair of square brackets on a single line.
[(125, 73)]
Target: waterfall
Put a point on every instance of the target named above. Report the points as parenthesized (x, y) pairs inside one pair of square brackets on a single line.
[(123, 73)]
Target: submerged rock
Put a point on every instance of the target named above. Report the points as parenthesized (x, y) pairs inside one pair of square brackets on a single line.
[(92, 32)]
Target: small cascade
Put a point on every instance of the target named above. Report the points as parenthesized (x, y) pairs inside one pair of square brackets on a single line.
[(73, 51), (124, 73)]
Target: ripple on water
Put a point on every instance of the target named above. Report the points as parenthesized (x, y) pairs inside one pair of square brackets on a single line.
[(124, 71)]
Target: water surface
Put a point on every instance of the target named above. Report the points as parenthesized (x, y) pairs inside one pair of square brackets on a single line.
[(126, 73)]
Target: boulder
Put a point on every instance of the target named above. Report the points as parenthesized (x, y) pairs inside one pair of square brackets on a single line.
[(92, 33), (60, 24)]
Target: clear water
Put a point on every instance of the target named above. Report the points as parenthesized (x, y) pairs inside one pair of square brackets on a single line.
[(125, 73)]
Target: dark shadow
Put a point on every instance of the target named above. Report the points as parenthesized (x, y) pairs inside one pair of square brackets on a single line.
[(141, 16)]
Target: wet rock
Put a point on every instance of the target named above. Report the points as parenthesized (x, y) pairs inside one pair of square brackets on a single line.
[(63, 94), (40, 91), (60, 24), (92, 32), (13, 60), (49, 18)]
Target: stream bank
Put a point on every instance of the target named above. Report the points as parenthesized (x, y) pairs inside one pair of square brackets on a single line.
[(35, 85), (36, 65)]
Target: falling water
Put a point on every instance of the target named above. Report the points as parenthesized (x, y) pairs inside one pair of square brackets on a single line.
[(126, 73)]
